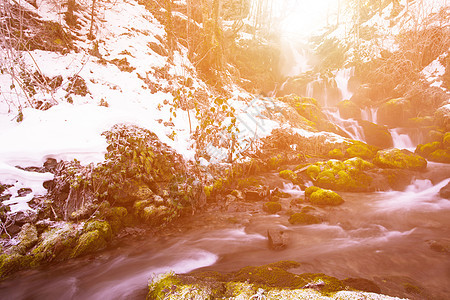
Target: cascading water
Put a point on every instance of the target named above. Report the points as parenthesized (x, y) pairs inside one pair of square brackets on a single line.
[(342, 77), (349, 126), (369, 114), (401, 140)]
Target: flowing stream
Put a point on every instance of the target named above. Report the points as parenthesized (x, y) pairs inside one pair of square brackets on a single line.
[(385, 237)]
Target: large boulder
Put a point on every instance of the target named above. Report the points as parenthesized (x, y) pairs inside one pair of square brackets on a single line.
[(377, 135), (325, 197), (395, 112), (400, 159), (349, 110), (349, 175)]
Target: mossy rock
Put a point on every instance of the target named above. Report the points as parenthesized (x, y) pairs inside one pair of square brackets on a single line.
[(272, 207), (313, 171), (302, 218), (440, 155), (349, 110), (272, 280), (309, 190), (336, 154), (325, 197), (117, 216), (426, 149), (102, 226), (55, 244), (343, 176), (11, 263), (27, 237), (89, 242), (361, 150), (289, 175), (400, 159)]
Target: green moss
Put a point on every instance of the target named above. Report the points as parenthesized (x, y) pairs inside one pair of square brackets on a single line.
[(440, 155), (303, 219), (325, 197), (362, 150), (162, 285), (208, 190), (399, 159), (89, 242), (248, 182), (313, 171), (27, 237), (358, 163), (102, 226), (309, 190), (273, 275), (55, 244), (10, 264), (426, 149), (336, 154), (289, 175), (272, 207), (326, 179)]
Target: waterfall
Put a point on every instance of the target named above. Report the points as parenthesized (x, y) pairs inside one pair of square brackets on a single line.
[(401, 140), (369, 114), (349, 126), (310, 89), (342, 77)]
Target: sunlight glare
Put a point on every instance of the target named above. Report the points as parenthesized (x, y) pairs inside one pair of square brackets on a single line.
[(302, 17)]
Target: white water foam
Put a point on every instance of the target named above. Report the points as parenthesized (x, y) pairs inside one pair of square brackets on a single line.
[(421, 195), (401, 141), (342, 77), (370, 114)]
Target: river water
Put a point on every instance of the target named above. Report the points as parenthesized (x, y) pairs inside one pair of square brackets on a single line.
[(385, 237)]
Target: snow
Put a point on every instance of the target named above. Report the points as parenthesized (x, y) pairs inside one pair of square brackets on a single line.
[(435, 70)]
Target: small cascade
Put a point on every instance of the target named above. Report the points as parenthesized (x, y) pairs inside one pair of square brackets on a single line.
[(342, 77), (349, 126), (310, 89), (401, 140), (369, 114)]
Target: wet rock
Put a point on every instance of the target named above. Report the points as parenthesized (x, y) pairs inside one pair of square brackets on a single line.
[(361, 150), (278, 239), (50, 164), (362, 284), (89, 242), (251, 195), (272, 207), (325, 197), (27, 216), (445, 191), (349, 110), (27, 237), (303, 219), (442, 246), (395, 112), (400, 159), (23, 192), (55, 244), (376, 135), (350, 175)]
